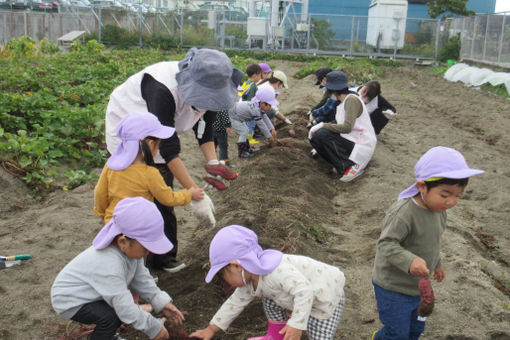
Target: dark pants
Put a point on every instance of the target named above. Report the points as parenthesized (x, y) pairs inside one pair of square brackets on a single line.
[(221, 141), (102, 315), (399, 315), (154, 260), (333, 148), (378, 120)]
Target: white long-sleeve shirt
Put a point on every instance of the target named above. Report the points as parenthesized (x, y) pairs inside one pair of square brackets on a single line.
[(300, 284), (105, 274)]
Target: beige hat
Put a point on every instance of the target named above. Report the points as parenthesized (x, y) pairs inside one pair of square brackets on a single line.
[(281, 77)]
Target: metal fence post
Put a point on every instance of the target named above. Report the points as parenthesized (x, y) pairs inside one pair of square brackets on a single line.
[(308, 32), (438, 31), (474, 38), (140, 28), (182, 27), (396, 37), (352, 36), (501, 38), (463, 36), (100, 25), (485, 37)]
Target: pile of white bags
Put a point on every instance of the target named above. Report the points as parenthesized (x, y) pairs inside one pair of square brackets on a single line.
[(474, 76)]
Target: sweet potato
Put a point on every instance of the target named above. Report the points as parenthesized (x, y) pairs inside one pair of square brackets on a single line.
[(426, 297)]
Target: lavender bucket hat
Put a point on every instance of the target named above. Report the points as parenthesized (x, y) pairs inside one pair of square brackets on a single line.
[(439, 162), (207, 79), (137, 218), (131, 129), (265, 68), (237, 243), (266, 95)]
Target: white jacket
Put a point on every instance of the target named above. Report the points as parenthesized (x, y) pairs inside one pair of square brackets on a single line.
[(299, 284)]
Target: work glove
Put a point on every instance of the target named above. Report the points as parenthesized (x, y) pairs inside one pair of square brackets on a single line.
[(389, 114), (314, 129), (287, 120), (204, 210), (310, 116)]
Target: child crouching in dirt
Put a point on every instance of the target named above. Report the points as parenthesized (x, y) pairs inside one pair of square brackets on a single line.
[(311, 290), (408, 248), (93, 287), (379, 109), (256, 110), (129, 173)]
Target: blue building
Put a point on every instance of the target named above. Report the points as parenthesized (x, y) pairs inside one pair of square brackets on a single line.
[(416, 8), (347, 27)]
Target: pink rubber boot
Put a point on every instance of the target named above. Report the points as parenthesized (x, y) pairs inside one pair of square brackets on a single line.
[(273, 327)]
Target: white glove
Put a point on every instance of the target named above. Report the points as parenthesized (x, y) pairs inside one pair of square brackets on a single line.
[(314, 129), (287, 120), (389, 114), (204, 209)]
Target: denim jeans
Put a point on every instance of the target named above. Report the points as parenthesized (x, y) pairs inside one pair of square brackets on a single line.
[(333, 148), (399, 315), (102, 315), (221, 141), (251, 126)]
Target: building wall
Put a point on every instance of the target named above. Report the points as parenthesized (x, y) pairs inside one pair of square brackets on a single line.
[(416, 8)]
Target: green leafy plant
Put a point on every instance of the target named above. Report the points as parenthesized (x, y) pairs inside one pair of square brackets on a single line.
[(77, 178), (451, 49)]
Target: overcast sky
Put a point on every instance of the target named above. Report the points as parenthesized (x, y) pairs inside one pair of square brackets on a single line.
[(502, 5)]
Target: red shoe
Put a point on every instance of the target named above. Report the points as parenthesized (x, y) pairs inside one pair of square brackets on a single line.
[(215, 183), (221, 170)]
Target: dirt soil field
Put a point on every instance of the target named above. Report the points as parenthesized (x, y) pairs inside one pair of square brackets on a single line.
[(297, 204)]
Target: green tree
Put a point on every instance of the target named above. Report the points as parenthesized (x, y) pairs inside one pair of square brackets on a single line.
[(448, 7), (322, 31)]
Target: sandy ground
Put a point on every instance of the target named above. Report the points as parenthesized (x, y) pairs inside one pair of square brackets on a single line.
[(294, 202)]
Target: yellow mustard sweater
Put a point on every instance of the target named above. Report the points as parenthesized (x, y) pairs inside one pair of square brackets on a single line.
[(136, 180)]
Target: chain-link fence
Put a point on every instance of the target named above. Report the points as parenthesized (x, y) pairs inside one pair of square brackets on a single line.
[(317, 33), (483, 38)]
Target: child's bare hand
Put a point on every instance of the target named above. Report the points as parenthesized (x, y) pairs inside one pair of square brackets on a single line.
[(439, 274), (206, 333), (174, 315), (291, 333), (273, 133), (419, 267), (271, 139), (163, 333), (197, 194)]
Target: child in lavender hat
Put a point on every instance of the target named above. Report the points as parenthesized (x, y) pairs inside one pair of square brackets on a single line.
[(310, 291), (408, 248), (93, 287)]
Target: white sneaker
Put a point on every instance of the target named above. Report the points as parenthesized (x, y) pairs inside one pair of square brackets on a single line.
[(174, 268), (352, 172)]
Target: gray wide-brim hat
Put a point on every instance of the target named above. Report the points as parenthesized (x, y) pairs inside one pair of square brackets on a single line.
[(207, 80)]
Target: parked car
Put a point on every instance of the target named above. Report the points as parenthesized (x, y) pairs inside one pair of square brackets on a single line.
[(80, 4), (6, 4), (40, 5), (20, 4)]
